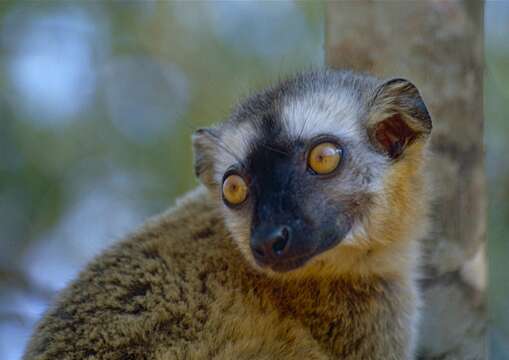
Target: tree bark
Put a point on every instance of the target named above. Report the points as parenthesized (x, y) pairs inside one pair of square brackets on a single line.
[(439, 47)]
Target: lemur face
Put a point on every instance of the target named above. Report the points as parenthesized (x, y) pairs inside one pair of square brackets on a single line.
[(300, 168)]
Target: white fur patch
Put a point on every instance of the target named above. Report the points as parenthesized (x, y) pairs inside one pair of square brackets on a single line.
[(335, 113), (234, 148)]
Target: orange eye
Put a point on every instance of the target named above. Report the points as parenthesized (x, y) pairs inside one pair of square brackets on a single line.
[(324, 158), (234, 189)]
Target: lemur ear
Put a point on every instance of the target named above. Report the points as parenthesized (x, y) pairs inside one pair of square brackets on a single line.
[(397, 117), (204, 147)]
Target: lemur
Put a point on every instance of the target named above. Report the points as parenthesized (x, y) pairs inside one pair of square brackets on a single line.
[(301, 242)]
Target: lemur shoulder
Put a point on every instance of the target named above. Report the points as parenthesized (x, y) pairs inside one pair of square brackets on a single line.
[(302, 242)]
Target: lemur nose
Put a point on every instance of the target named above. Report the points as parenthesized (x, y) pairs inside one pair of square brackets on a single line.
[(271, 244)]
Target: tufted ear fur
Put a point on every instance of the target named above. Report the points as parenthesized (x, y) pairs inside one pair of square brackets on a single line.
[(204, 147), (397, 117)]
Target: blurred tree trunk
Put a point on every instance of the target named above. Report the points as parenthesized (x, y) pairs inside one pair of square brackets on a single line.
[(438, 46)]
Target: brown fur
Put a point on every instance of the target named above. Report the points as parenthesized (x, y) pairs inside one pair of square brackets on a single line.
[(186, 285), (180, 289)]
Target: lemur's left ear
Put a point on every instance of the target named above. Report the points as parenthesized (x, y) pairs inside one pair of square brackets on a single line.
[(397, 117), (204, 148)]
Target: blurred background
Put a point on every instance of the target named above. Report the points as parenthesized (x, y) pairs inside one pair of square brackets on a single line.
[(97, 104)]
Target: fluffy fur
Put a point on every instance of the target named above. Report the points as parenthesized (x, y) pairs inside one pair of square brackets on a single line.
[(185, 286)]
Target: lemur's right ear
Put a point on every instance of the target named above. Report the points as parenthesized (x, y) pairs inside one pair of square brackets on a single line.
[(397, 117), (204, 148)]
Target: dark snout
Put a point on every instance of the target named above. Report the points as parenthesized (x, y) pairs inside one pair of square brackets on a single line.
[(276, 246), (270, 243)]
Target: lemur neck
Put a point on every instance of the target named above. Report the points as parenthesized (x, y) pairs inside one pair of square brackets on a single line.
[(397, 260)]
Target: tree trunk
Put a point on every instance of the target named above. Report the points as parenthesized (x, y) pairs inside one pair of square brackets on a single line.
[(439, 47)]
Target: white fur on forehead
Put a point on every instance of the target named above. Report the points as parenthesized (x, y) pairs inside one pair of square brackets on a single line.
[(326, 112), (236, 140)]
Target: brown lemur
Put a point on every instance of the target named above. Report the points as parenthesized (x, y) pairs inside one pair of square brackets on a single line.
[(302, 243)]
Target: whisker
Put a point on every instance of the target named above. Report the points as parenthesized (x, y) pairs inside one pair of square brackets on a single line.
[(299, 137), (226, 148), (268, 147), (219, 141)]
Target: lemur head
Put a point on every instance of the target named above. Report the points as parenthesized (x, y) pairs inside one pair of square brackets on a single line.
[(319, 172)]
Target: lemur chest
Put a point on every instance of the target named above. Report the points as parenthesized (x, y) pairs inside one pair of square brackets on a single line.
[(335, 314)]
